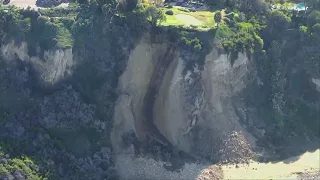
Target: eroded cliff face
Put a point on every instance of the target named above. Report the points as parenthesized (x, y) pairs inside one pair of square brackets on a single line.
[(199, 105), (194, 109), (214, 110), (134, 84), (52, 66)]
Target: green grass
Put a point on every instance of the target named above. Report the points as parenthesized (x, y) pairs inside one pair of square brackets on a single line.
[(205, 16)]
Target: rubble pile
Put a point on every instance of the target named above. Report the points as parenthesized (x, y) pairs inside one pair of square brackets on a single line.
[(234, 149)]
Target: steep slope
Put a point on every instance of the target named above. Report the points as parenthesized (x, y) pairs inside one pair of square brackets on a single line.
[(136, 85), (178, 106), (214, 110)]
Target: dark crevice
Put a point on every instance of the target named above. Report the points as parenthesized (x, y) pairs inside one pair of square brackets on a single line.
[(152, 92)]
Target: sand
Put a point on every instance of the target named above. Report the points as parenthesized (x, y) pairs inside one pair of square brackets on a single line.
[(287, 169), (188, 20)]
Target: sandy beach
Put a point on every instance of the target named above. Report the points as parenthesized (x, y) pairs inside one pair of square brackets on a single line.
[(287, 169)]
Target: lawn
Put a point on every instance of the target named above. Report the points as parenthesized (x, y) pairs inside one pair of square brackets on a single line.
[(206, 17)]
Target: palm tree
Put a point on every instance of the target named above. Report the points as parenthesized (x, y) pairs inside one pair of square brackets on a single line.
[(218, 18)]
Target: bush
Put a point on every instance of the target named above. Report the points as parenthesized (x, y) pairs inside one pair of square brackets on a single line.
[(169, 12), (303, 30), (191, 43)]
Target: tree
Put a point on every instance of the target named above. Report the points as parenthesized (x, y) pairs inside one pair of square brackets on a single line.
[(131, 4), (313, 18), (109, 3), (86, 2), (128, 5), (247, 6), (278, 22), (316, 30), (155, 15), (313, 4), (218, 17)]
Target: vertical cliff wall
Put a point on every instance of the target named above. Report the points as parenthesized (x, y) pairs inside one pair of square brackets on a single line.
[(196, 108), (138, 86)]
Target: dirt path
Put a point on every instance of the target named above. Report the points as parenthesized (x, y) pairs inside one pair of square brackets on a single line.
[(287, 169), (188, 19)]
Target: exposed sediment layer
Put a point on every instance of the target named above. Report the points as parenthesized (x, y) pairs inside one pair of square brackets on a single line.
[(191, 109), (138, 87)]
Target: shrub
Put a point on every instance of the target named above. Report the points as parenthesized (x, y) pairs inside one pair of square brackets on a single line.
[(316, 29), (191, 43), (303, 30), (169, 12)]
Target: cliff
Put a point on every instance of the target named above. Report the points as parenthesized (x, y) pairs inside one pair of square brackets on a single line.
[(105, 98), (203, 110)]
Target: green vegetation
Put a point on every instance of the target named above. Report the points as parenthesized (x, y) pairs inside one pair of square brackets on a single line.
[(206, 17), (155, 16), (244, 38), (21, 165), (43, 31), (189, 41)]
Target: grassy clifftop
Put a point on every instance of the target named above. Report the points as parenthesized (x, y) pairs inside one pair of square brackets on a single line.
[(200, 19)]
